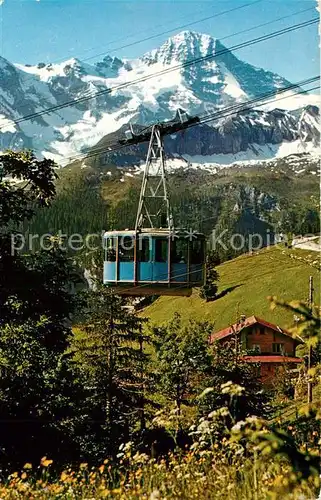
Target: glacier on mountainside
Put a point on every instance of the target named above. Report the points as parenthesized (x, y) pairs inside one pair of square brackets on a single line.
[(203, 88)]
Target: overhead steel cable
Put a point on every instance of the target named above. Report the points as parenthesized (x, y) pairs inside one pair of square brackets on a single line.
[(174, 28), (117, 147), (244, 106), (248, 105), (267, 23), (180, 27), (165, 71), (144, 285), (250, 108), (160, 34)]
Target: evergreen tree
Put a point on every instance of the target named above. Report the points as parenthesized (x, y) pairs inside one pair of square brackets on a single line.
[(38, 395), (209, 289), (183, 359), (39, 399), (310, 223), (228, 366), (34, 187), (109, 349), (186, 365)]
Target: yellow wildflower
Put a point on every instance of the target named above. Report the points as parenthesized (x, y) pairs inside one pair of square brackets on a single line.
[(45, 462), (63, 476)]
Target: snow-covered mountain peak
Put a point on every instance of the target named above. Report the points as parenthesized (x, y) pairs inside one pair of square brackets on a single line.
[(182, 47), (145, 90), (72, 62), (110, 66), (47, 71)]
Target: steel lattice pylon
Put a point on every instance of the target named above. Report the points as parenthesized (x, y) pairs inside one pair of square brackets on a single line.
[(154, 201)]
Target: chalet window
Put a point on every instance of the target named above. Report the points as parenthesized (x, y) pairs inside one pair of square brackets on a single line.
[(278, 348), (261, 330), (256, 347)]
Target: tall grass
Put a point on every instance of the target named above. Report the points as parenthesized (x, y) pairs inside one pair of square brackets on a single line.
[(190, 475)]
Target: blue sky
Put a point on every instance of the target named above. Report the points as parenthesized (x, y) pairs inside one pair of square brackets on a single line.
[(53, 30)]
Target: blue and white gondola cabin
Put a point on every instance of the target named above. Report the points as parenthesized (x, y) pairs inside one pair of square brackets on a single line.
[(153, 261)]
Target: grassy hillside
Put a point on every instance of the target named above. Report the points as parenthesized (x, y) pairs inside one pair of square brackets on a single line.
[(245, 283)]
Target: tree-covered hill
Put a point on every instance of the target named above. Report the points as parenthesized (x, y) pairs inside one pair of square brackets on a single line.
[(243, 199)]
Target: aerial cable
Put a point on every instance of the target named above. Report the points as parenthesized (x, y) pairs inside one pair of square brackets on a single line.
[(240, 106), (174, 28), (267, 23), (256, 106), (244, 106), (180, 27), (166, 70), (210, 118), (160, 34)]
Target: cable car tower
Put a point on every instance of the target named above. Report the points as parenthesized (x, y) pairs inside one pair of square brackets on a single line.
[(154, 258), (154, 187)]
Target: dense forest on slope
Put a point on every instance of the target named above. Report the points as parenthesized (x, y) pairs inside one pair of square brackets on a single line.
[(242, 200), (97, 402)]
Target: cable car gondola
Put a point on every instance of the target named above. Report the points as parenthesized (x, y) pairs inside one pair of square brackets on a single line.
[(154, 260)]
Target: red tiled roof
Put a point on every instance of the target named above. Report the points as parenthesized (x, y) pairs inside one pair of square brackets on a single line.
[(271, 359), (252, 320)]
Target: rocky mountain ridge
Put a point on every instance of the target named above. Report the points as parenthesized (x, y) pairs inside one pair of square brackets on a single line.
[(251, 135), (201, 88)]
